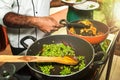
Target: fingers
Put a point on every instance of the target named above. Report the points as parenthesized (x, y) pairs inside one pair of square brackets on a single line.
[(49, 24), (51, 29)]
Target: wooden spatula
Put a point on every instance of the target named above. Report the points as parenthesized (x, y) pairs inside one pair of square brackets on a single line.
[(68, 60)]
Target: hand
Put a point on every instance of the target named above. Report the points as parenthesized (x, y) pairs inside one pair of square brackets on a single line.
[(47, 24)]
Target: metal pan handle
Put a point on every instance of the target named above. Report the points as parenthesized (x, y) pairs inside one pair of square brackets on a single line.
[(64, 22), (71, 24), (100, 58), (22, 41), (114, 29)]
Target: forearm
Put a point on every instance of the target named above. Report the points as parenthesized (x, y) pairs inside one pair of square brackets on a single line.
[(16, 20), (45, 24)]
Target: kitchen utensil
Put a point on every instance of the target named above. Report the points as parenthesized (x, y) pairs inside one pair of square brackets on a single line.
[(73, 1), (88, 5), (101, 27), (66, 23), (67, 60), (81, 47)]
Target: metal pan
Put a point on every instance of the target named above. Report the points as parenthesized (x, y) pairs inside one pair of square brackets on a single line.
[(101, 27), (80, 46)]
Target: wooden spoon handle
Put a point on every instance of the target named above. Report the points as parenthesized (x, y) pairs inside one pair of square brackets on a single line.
[(18, 58)]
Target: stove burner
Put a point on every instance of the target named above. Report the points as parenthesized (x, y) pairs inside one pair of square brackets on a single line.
[(25, 74)]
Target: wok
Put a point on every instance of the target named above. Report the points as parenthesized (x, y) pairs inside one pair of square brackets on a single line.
[(101, 27), (80, 46)]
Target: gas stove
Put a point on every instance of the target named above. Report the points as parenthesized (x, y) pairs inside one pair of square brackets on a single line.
[(23, 73)]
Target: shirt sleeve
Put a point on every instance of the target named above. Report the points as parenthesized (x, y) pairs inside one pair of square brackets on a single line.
[(5, 7)]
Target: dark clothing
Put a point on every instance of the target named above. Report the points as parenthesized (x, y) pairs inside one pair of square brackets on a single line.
[(74, 14), (16, 51)]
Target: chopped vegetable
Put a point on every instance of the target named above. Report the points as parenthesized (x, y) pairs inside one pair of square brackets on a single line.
[(59, 49), (46, 68), (88, 30), (78, 0), (65, 70), (91, 6)]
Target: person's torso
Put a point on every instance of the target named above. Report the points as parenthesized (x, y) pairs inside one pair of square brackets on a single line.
[(30, 8)]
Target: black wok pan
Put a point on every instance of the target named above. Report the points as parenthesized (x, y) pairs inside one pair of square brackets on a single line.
[(80, 46)]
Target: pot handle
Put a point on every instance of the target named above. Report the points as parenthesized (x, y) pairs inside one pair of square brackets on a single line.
[(114, 29), (71, 24), (100, 58), (22, 41), (64, 22)]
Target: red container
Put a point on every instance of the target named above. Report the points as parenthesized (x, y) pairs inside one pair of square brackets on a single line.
[(3, 38), (101, 27)]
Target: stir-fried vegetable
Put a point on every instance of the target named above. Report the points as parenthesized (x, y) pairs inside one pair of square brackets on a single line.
[(59, 49), (46, 68), (88, 30), (65, 70)]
